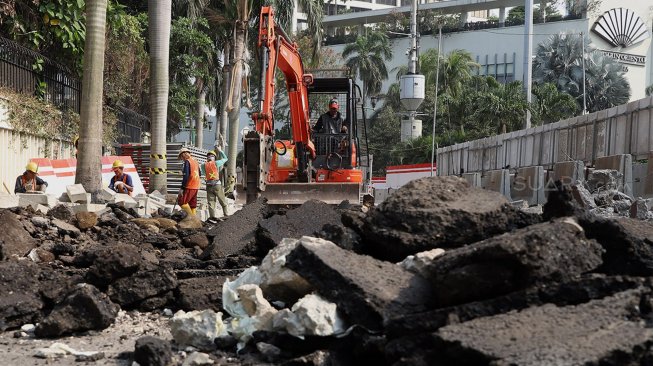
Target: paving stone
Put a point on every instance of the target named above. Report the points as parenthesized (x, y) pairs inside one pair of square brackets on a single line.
[(368, 291), (628, 244), (547, 252), (77, 194), (15, 241), (437, 212), (86, 308), (609, 331), (152, 351)]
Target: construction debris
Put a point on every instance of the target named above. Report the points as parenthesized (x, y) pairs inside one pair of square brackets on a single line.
[(440, 273)]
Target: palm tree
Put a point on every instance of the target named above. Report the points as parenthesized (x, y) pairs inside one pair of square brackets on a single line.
[(559, 60), (551, 105), (89, 165), (456, 69), (160, 13), (367, 62)]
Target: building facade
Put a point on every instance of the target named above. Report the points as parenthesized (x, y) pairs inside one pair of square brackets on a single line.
[(620, 29)]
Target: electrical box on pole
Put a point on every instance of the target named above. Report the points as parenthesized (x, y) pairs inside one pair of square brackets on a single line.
[(412, 85)]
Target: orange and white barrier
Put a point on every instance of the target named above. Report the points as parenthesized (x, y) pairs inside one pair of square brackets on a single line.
[(61, 173), (398, 175)]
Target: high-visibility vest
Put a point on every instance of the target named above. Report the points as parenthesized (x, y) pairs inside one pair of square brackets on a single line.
[(121, 189), (194, 179), (25, 181), (211, 170)]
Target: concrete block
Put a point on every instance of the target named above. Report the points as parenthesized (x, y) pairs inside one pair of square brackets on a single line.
[(77, 193), (33, 199), (528, 185), (622, 163), (9, 200), (569, 172), (125, 200), (498, 181), (98, 209), (106, 194), (648, 183), (474, 179)]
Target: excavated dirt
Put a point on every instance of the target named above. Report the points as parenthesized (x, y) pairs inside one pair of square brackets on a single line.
[(565, 287), (438, 213)]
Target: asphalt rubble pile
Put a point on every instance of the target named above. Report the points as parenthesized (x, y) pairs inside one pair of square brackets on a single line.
[(602, 195), (440, 273)]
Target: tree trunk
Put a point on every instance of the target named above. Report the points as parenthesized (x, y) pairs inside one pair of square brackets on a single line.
[(159, 13), (199, 125), (224, 115), (236, 83), (89, 163)]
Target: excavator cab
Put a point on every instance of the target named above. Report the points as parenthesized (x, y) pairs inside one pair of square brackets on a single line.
[(309, 163)]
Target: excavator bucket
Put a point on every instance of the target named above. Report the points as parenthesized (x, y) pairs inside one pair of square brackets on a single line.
[(298, 193)]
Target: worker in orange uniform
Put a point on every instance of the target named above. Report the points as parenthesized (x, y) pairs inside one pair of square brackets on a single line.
[(29, 180), (211, 172), (121, 182), (190, 182)]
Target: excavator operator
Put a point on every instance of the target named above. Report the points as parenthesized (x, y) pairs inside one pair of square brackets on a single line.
[(331, 122)]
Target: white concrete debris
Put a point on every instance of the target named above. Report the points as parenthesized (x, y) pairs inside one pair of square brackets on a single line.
[(8, 200), (416, 263), (311, 315), (276, 279), (57, 350), (106, 194), (28, 328), (77, 194), (198, 359), (125, 200), (230, 299), (197, 328)]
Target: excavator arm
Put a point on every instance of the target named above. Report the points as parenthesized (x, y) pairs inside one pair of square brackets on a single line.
[(277, 51)]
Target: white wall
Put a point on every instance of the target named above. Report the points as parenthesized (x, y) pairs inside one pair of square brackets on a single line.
[(511, 39), (17, 148)]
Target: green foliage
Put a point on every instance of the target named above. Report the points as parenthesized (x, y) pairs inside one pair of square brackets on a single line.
[(126, 63), (369, 54), (649, 90), (192, 58), (559, 60), (550, 105), (517, 15)]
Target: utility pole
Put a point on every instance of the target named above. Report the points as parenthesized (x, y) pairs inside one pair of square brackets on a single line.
[(411, 85), (435, 107), (528, 57), (582, 37)]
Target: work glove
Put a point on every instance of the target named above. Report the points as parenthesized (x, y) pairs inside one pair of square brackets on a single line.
[(118, 185), (43, 188)]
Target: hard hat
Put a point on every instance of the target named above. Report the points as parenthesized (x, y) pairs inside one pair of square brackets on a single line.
[(333, 103), (183, 150), (118, 164), (211, 153), (32, 167)]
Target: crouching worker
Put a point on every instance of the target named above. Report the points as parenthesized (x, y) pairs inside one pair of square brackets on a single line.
[(29, 180), (121, 182), (190, 182)]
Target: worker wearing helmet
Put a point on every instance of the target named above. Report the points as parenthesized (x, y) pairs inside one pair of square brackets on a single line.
[(121, 182), (29, 180), (190, 182), (211, 172), (331, 121)]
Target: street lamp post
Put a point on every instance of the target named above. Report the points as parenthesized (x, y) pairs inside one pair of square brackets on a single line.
[(435, 106)]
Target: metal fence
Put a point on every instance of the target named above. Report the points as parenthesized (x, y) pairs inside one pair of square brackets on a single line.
[(625, 129), (131, 126), (29, 72)]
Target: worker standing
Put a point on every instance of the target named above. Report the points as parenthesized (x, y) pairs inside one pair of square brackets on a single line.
[(214, 191), (121, 182), (29, 180), (190, 183)]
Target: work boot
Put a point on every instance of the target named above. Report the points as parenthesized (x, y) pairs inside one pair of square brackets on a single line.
[(187, 209), (194, 211)]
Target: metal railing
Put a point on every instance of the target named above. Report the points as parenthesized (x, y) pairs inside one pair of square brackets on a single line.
[(28, 72)]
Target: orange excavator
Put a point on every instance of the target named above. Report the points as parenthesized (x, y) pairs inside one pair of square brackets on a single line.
[(322, 165)]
